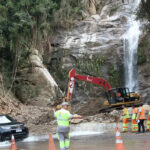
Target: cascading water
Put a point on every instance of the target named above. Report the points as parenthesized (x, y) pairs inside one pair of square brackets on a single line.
[(131, 38)]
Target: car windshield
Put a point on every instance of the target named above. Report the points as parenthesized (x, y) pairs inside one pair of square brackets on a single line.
[(4, 119)]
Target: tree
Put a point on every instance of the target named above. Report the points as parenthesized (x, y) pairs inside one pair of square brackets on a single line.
[(29, 23)]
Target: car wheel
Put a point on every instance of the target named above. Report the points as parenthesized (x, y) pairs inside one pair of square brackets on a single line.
[(2, 137)]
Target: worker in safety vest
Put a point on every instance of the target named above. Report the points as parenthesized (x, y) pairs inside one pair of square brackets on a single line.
[(134, 118), (63, 129), (148, 120), (141, 118), (125, 118)]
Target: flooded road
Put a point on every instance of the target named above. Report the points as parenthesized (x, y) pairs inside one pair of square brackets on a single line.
[(87, 136), (94, 142)]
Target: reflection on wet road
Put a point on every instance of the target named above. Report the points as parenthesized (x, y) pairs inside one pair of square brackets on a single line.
[(95, 142)]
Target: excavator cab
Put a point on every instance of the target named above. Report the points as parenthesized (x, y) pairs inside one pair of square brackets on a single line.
[(120, 96)]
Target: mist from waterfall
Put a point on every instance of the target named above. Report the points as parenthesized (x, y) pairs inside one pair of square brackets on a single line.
[(131, 38)]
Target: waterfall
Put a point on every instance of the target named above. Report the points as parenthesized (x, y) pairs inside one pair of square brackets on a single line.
[(131, 38)]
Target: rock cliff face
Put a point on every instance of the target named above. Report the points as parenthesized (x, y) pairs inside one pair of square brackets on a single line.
[(92, 46), (95, 46), (36, 85), (144, 65)]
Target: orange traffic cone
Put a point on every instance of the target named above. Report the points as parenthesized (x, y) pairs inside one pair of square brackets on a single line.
[(13, 144), (51, 142), (119, 141)]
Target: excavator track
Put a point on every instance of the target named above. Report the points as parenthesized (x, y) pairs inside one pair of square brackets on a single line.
[(111, 108)]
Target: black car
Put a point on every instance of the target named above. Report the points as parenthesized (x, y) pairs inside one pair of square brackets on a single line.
[(9, 126)]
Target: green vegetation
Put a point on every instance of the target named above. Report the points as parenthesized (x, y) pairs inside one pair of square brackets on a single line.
[(92, 65), (141, 55), (144, 49), (144, 10), (26, 24), (24, 90), (60, 74), (5, 70), (113, 77), (67, 12), (83, 66)]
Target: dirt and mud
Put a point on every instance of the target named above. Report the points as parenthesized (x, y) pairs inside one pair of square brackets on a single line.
[(41, 121)]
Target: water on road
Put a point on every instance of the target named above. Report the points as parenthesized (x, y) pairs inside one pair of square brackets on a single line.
[(94, 142)]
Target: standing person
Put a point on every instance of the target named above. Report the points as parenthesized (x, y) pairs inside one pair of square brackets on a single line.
[(148, 120), (134, 117), (63, 129), (141, 118), (125, 118)]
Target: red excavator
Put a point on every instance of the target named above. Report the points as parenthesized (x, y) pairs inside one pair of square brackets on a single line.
[(116, 97)]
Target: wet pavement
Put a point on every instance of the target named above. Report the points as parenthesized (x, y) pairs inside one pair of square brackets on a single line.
[(94, 142)]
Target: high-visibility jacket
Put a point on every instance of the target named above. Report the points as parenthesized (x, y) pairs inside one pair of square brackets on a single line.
[(63, 117), (125, 113), (142, 113), (134, 113), (149, 111), (148, 120)]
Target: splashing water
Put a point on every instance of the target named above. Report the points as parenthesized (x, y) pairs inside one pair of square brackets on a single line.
[(92, 128)]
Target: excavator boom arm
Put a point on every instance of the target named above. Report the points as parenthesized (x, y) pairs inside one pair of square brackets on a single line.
[(73, 76), (99, 81)]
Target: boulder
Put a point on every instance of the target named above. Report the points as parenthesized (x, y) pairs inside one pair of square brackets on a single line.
[(76, 121), (36, 85), (115, 113)]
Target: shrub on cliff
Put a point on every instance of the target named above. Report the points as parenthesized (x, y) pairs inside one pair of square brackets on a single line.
[(144, 10)]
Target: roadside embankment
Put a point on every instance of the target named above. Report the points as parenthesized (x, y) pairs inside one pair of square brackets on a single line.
[(40, 120)]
